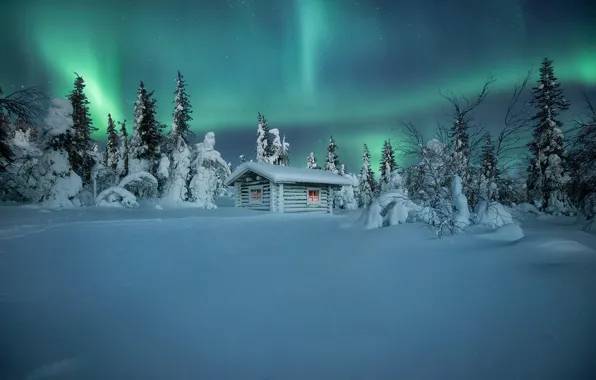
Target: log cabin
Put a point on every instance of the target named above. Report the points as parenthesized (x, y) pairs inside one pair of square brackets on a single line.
[(283, 189)]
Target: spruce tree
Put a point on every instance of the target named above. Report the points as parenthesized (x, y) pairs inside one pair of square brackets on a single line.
[(332, 159), (182, 110), (112, 145), (124, 149), (80, 144), (311, 161), (264, 143), (547, 173), (489, 170), (146, 139), (388, 164), (367, 179)]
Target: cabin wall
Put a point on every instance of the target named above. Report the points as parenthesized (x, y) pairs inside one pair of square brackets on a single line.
[(295, 198), (243, 186)]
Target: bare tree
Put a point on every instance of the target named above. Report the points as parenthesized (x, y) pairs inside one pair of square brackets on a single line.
[(516, 124)]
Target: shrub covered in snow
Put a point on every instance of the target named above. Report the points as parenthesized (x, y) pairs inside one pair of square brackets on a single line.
[(461, 215), (142, 184), (116, 197), (176, 188), (492, 214)]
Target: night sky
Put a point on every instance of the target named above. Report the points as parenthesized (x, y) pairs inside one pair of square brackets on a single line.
[(353, 69)]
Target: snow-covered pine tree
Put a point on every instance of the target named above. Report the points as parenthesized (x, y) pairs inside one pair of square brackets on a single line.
[(112, 145), (264, 143), (284, 157), (124, 151), (146, 138), (182, 110), (488, 172), (332, 159), (81, 143), (311, 161), (367, 179), (547, 174), (242, 159), (276, 147), (388, 164)]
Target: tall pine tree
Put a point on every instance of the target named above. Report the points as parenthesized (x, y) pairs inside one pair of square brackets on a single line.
[(112, 145), (146, 139), (367, 179), (547, 173), (332, 160), (80, 145), (124, 150), (388, 164), (264, 141), (182, 110)]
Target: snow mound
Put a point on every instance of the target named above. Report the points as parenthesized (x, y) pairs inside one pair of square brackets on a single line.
[(492, 214), (140, 183), (561, 251), (527, 208), (508, 233), (116, 197), (56, 370)]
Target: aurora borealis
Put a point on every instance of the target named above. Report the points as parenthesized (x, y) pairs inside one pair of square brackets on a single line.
[(349, 68)]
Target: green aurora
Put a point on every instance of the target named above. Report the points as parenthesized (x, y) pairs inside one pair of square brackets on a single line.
[(232, 74)]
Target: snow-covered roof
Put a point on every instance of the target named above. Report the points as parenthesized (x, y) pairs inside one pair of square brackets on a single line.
[(289, 174)]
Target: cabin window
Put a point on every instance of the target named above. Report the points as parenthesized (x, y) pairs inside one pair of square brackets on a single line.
[(256, 195), (314, 195)]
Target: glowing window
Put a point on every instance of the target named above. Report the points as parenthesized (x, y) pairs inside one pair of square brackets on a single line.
[(313, 196), (256, 195)]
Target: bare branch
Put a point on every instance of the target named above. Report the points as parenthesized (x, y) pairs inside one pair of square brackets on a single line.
[(517, 120), (27, 105), (413, 141)]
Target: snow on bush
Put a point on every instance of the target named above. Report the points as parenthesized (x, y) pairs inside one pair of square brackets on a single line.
[(391, 208), (116, 197), (492, 214), (346, 197), (142, 184), (461, 216), (506, 233)]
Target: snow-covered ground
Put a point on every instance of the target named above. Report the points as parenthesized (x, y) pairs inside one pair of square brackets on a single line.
[(223, 294)]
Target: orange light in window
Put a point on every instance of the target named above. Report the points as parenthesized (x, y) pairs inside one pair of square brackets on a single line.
[(256, 195), (313, 195)]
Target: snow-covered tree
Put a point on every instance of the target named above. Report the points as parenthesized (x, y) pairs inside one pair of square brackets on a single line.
[(311, 161), (182, 110), (146, 137), (276, 147), (461, 215), (488, 171), (347, 197), (242, 159), (53, 181), (332, 159), (112, 145), (209, 171), (24, 108), (367, 179), (79, 148), (124, 151), (284, 156), (547, 173), (388, 164), (265, 148)]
